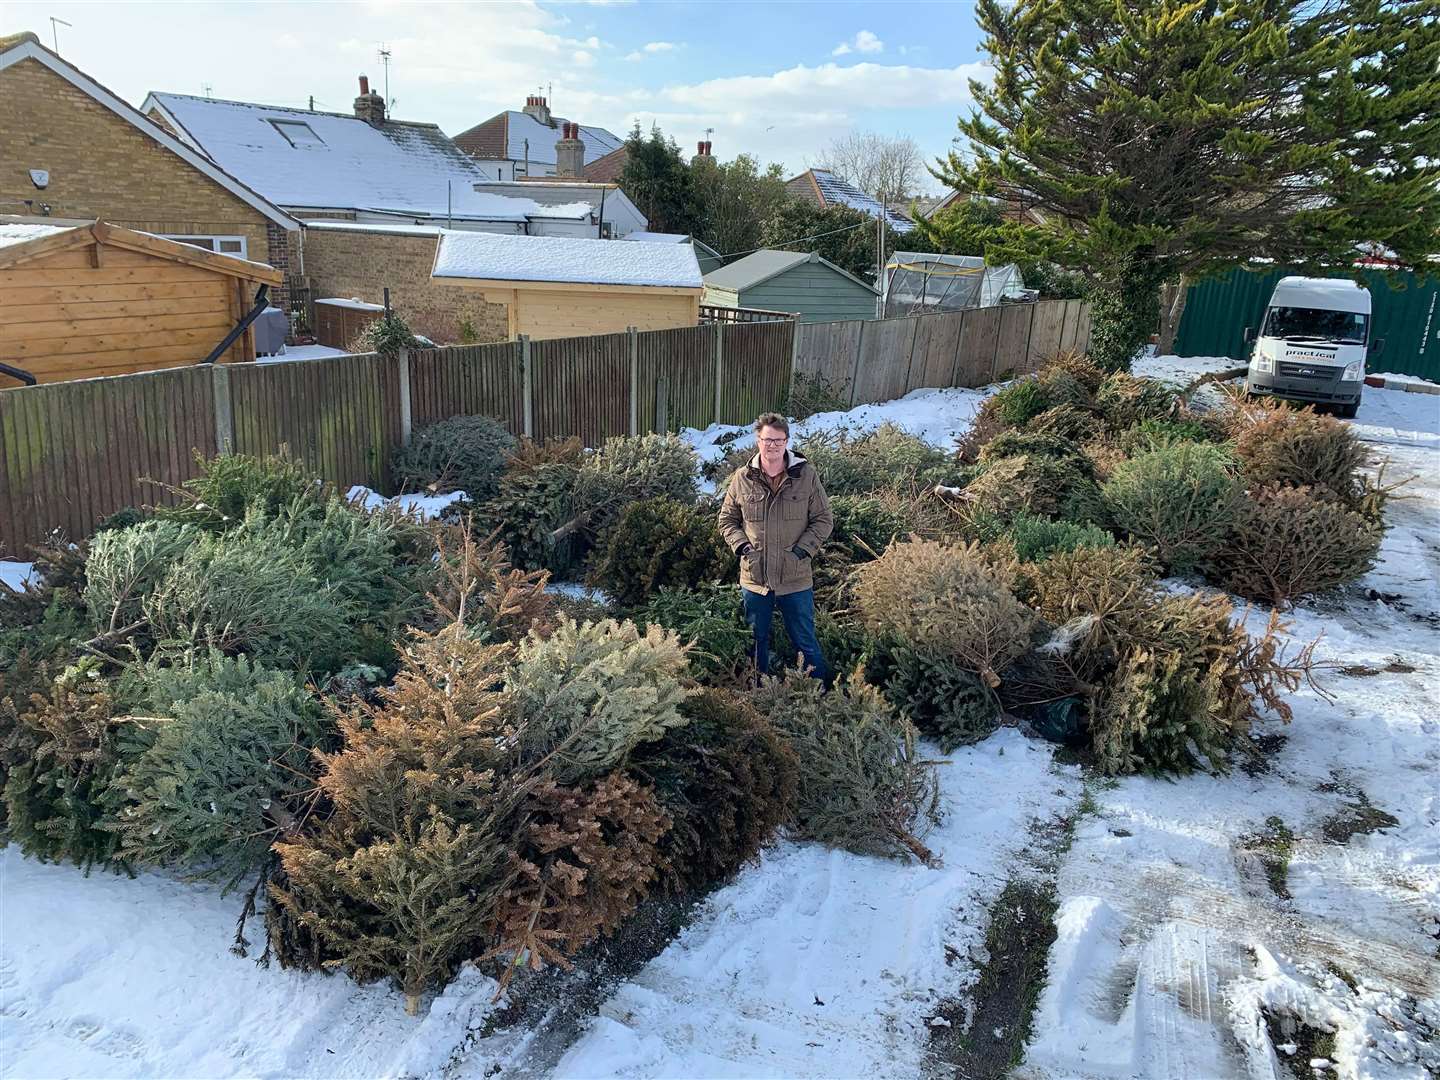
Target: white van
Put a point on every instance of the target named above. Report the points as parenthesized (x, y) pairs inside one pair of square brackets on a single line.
[(1313, 342)]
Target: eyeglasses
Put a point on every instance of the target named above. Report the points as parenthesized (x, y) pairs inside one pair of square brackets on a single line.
[(775, 442)]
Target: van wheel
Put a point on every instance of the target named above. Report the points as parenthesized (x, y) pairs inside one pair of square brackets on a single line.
[(1347, 412)]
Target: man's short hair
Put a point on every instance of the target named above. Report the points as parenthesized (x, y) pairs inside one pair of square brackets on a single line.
[(772, 419)]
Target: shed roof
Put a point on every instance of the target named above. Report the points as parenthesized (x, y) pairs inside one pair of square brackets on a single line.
[(300, 158), (563, 259), (22, 242), (760, 266), (641, 236)]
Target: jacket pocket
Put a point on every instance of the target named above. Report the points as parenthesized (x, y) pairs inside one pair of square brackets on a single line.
[(795, 507), (753, 508)]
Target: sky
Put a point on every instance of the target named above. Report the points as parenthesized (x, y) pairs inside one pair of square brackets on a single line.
[(776, 80)]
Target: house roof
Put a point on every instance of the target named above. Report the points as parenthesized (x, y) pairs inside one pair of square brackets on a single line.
[(26, 46), (608, 167), (25, 242), (504, 136), (825, 188), (498, 257), (760, 266), (305, 159), (560, 197)]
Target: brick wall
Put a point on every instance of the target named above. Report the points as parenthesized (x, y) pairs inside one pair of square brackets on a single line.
[(361, 265), (101, 166)]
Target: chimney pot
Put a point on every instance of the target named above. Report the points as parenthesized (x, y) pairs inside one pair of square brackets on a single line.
[(364, 85)]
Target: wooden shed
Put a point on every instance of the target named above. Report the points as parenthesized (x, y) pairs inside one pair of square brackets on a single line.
[(82, 300), (796, 281), (560, 286)]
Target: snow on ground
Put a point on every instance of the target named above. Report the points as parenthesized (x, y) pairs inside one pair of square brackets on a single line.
[(302, 352), (427, 506), (1171, 939), (820, 963)]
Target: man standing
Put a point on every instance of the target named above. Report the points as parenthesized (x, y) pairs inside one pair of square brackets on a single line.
[(775, 517)]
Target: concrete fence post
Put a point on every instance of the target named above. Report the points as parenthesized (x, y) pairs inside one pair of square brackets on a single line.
[(224, 409), (527, 376), (402, 364), (632, 340)]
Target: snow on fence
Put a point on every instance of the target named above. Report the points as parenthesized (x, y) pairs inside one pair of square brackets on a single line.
[(72, 453)]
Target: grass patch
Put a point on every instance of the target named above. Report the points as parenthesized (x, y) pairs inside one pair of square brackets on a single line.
[(1273, 848), (1288, 1031)]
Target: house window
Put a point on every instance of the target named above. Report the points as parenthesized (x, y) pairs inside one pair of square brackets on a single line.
[(297, 133), (225, 245)]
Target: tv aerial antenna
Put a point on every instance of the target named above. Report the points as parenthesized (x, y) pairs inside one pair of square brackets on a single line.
[(55, 33), (384, 54)]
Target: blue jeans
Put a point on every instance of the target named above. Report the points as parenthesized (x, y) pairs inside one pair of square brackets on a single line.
[(797, 609)]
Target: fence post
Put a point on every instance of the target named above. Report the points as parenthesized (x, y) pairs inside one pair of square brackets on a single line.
[(402, 363), (959, 346), (719, 369), (224, 409), (527, 377), (633, 341)]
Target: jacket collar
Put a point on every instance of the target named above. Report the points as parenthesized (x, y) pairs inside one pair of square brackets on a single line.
[(793, 462)]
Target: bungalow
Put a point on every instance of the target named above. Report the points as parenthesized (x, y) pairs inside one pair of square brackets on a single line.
[(823, 188), (530, 142)]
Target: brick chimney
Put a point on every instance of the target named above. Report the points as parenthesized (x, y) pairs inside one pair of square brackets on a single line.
[(537, 107), (702, 152), (570, 152), (370, 106)]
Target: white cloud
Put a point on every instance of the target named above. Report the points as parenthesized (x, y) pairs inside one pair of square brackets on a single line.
[(864, 41), (632, 57), (659, 46)]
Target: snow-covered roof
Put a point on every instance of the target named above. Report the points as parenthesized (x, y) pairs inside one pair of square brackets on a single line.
[(21, 233), (835, 191), (658, 237), (761, 266), (299, 158), (497, 257), (521, 126)]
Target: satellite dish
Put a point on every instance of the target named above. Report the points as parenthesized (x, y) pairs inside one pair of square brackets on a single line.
[(40, 178)]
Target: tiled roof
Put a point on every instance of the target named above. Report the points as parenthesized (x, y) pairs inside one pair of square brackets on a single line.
[(504, 136), (834, 191), (607, 169)]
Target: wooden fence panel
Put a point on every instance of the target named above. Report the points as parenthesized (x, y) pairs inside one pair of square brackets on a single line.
[(1070, 325), (932, 358), (979, 336), (72, 453), (685, 359), (755, 368), (580, 386), (340, 416), (829, 350), (1012, 347), (884, 370), (469, 380), (1046, 327), (1082, 331)]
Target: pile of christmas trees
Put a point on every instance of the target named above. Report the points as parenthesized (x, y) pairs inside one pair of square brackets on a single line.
[(397, 741)]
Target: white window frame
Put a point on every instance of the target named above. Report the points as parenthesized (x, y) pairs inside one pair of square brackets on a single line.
[(308, 139), (243, 253)]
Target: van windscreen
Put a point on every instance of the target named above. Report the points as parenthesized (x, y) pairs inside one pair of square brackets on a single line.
[(1316, 324)]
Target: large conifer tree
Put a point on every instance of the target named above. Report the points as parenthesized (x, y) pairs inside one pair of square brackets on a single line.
[(1168, 139)]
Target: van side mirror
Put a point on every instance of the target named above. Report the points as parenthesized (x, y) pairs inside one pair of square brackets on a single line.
[(1249, 334), (1377, 347)]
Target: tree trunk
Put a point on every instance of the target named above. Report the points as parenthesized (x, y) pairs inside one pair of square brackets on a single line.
[(1172, 306)]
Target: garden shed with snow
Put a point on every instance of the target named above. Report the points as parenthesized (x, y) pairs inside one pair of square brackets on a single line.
[(556, 287)]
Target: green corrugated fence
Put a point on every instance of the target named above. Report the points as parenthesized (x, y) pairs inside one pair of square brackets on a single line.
[(1407, 316)]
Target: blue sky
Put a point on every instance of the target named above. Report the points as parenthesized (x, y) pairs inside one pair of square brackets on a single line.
[(778, 80)]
